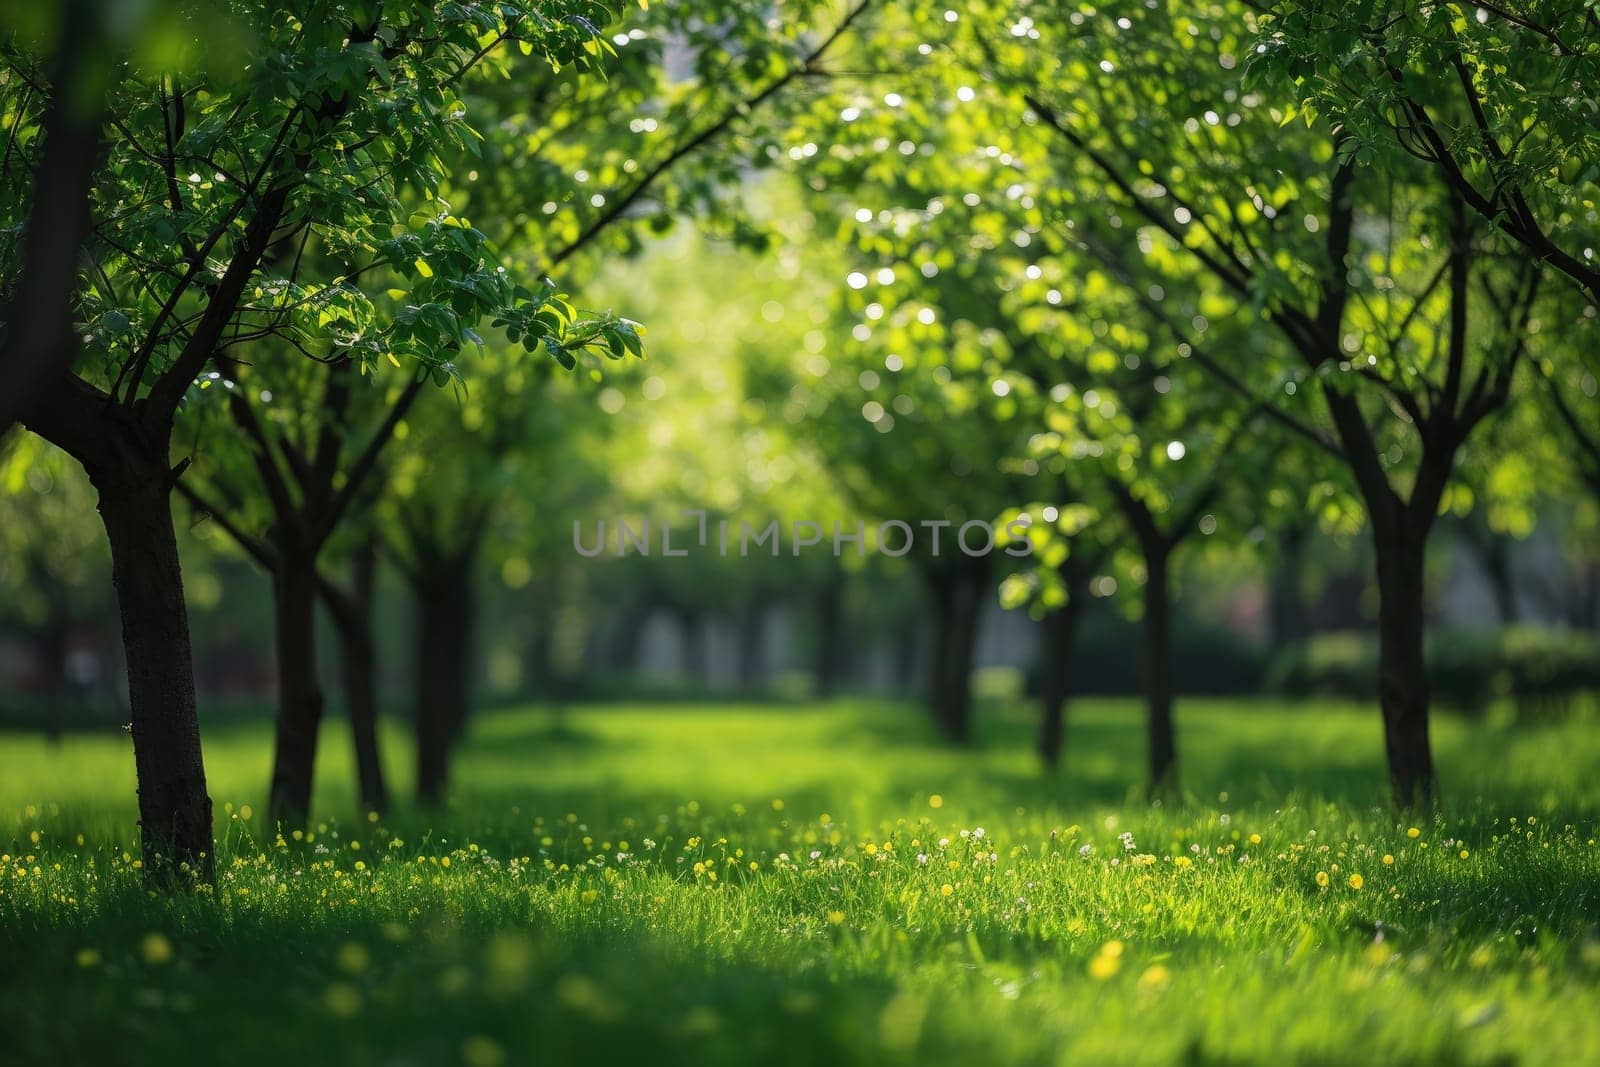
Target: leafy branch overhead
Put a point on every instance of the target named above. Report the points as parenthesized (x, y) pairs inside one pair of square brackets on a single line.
[(289, 189)]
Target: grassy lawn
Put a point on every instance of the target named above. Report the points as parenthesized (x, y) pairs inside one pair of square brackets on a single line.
[(827, 883)]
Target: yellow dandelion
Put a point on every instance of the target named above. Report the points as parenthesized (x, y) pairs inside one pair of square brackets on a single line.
[(353, 957), (1413, 832), (1155, 977), (1465, 853), (342, 1000), (835, 918), (156, 949), (481, 1051), (1388, 860), (936, 801), (1255, 839), (1356, 881), (1107, 961), (946, 889), (1322, 878)]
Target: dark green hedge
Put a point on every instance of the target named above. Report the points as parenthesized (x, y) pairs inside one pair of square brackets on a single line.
[(1542, 671)]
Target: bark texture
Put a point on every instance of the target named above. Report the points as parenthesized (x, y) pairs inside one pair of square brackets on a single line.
[(174, 807), (446, 617)]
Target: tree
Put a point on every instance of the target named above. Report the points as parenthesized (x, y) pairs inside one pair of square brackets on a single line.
[(1406, 321), (334, 114), (563, 179), (1104, 405), (308, 463), (1499, 99), (910, 438)]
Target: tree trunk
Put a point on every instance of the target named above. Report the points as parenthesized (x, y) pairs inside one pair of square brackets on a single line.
[(906, 648), (358, 660), (1291, 620), (1402, 669), (627, 644), (174, 808), (830, 635), (752, 646), (1493, 551), (446, 614), (1157, 666), (294, 597), (57, 689), (696, 651), (1060, 642), (958, 605)]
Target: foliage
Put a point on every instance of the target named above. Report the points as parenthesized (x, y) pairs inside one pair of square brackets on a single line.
[(1501, 99), (330, 130)]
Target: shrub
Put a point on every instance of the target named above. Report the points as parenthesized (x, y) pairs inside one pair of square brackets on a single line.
[(1543, 671)]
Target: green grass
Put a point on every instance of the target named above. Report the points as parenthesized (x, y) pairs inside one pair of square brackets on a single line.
[(565, 907)]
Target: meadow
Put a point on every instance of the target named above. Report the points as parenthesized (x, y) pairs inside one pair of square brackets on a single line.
[(825, 883)]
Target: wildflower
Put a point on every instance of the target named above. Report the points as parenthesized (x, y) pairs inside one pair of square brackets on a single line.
[(1255, 839), (1322, 879), (936, 801), (342, 999), (156, 949), (835, 918), (1107, 961), (1413, 833), (1465, 853), (1182, 862), (946, 889), (1356, 881), (481, 1051), (353, 957), (1155, 977), (1388, 860)]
